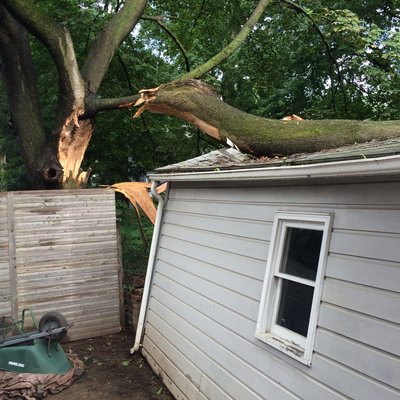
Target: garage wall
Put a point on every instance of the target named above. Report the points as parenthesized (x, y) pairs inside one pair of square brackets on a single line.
[(209, 270), (58, 251)]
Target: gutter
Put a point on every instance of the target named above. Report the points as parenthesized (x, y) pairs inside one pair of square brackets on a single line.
[(150, 269), (351, 169)]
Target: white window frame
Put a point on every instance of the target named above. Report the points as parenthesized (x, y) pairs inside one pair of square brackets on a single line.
[(283, 339)]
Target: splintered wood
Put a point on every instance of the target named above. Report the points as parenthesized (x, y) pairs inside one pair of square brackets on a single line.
[(138, 195)]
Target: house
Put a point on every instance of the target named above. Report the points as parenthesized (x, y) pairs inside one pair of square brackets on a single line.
[(277, 279)]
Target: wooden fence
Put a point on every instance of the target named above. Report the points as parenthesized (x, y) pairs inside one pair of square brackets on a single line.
[(58, 251)]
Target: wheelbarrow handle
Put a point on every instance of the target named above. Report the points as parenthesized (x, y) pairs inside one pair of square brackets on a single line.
[(12, 340)]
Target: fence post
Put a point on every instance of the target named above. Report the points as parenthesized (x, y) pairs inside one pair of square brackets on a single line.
[(12, 255)]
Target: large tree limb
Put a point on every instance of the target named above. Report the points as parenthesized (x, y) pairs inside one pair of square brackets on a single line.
[(198, 104), (232, 46), (108, 40)]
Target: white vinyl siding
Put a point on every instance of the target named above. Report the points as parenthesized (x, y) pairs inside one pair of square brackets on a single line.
[(207, 285)]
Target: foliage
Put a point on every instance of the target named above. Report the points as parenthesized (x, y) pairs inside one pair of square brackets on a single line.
[(3, 178), (13, 175), (134, 250), (284, 67), (333, 59)]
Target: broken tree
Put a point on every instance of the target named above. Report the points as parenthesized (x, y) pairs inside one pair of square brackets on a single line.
[(200, 105), (53, 156)]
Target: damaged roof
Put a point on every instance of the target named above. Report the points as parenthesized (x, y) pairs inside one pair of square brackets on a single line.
[(230, 158), (369, 161)]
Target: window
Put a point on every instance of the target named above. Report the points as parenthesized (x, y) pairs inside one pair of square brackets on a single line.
[(292, 287)]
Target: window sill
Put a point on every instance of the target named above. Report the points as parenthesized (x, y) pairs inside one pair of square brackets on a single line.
[(287, 347)]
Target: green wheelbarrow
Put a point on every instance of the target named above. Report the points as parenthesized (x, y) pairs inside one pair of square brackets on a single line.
[(35, 351)]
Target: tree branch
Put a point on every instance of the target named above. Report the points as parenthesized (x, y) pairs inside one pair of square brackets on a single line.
[(132, 89), (108, 40), (172, 36), (94, 104), (326, 44), (197, 17), (125, 69), (201, 70), (148, 133), (89, 32)]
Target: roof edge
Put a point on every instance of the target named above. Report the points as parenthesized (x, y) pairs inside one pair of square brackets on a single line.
[(351, 169)]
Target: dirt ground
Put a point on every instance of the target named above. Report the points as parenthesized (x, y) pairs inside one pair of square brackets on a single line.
[(111, 372)]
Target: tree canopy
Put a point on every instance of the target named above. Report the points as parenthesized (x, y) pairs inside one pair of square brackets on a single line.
[(68, 63)]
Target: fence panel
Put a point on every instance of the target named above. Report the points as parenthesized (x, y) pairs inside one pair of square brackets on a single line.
[(66, 257)]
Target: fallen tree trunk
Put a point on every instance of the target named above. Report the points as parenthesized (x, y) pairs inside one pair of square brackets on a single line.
[(199, 104)]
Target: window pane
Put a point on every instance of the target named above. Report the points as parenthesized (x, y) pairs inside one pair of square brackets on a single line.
[(301, 253), (295, 306)]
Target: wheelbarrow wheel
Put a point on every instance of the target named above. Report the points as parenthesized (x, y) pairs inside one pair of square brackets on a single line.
[(53, 320)]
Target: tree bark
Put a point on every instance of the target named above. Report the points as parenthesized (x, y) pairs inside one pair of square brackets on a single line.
[(199, 104), (22, 93)]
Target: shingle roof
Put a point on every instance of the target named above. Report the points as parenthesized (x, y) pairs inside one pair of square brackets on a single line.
[(229, 158)]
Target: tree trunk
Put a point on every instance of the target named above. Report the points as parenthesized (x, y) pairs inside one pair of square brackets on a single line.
[(198, 103), (54, 160), (21, 87), (43, 152)]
